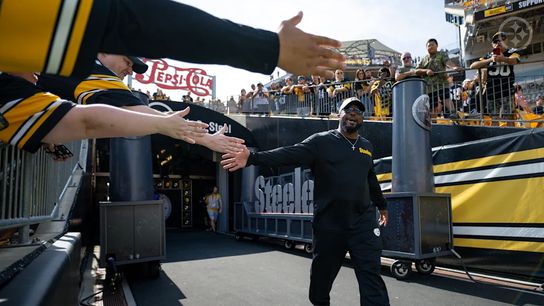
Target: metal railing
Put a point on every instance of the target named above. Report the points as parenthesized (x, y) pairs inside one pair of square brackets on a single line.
[(31, 185), (478, 100), (314, 100)]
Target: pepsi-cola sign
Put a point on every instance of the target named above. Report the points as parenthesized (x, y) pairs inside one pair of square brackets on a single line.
[(165, 76)]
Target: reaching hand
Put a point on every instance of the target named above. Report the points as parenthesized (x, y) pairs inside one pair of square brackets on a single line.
[(220, 143), (383, 218), (176, 126), (233, 161), (304, 54)]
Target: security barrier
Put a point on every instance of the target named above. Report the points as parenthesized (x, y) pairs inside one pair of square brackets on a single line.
[(31, 185)]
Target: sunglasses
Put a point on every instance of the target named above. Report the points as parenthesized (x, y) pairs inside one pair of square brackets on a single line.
[(355, 110), (406, 57)]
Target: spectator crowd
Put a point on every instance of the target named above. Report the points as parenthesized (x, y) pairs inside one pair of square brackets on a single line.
[(490, 89)]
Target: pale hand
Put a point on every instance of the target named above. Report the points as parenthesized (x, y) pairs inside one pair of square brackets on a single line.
[(383, 218), (304, 54), (221, 143), (177, 127), (233, 161)]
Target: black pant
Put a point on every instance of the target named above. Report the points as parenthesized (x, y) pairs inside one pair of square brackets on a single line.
[(329, 252)]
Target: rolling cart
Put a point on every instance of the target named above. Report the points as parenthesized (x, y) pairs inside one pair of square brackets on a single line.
[(419, 230)]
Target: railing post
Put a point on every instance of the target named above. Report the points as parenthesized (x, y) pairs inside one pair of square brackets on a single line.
[(24, 234)]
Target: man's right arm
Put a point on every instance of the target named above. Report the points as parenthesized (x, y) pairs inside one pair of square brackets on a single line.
[(300, 154), (482, 63)]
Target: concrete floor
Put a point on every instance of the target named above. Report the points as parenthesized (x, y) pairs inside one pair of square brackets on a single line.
[(204, 268)]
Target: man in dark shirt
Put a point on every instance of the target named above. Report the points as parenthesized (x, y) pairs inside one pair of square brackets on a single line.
[(346, 192)]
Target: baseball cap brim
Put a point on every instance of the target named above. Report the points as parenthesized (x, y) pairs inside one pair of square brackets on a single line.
[(350, 101), (138, 65), (502, 35)]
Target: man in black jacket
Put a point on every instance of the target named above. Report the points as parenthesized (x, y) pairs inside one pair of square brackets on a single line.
[(346, 194)]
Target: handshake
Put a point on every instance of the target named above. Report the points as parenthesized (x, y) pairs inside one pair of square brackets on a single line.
[(235, 159)]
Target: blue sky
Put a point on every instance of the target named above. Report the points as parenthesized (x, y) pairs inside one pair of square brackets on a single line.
[(401, 25)]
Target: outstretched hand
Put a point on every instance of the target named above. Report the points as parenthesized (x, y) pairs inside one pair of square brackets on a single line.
[(304, 54), (176, 126), (221, 143), (233, 161)]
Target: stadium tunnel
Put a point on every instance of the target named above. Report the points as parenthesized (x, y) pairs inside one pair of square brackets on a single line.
[(183, 173)]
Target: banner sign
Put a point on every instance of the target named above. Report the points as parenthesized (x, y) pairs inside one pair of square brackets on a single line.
[(365, 61), (194, 80), (288, 193), (507, 8)]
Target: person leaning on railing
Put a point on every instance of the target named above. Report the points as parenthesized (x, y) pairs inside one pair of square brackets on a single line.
[(339, 89), (407, 70), (433, 68), (519, 99), (260, 99), (381, 94), (500, 75)]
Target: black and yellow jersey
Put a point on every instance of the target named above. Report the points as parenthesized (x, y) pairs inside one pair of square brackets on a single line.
[(64, 36), (30, 112), (102, 86), (500, 77)]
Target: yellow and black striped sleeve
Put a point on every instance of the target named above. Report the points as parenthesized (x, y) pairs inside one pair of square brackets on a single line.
[(31, 113), (63, 36), (53, 36)]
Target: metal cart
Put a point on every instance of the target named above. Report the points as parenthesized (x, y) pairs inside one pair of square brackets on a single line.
[(419, 230), (291, 228)]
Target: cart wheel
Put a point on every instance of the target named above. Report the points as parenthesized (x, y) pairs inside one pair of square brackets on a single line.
[(238, 237), (309, 248), (289, 244), (425, 266), (401, 269)]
